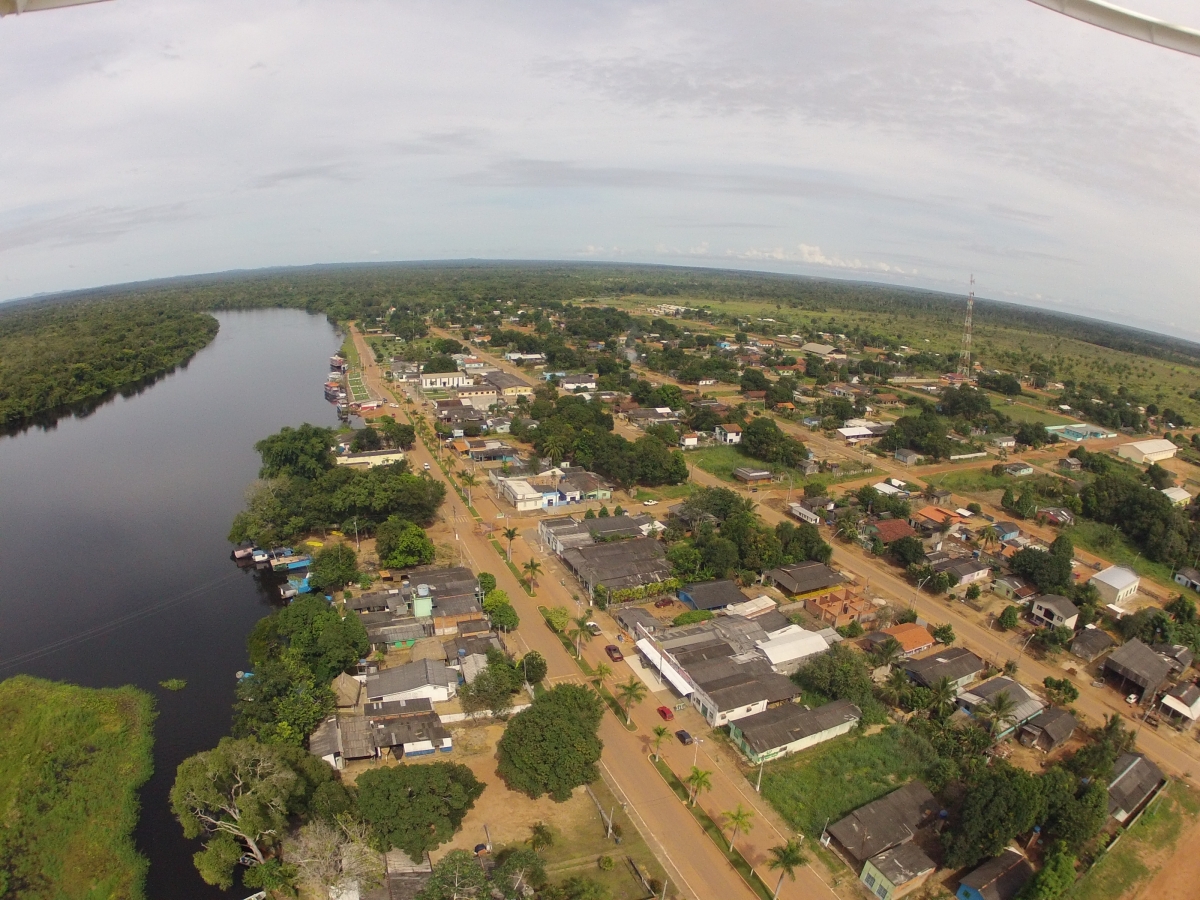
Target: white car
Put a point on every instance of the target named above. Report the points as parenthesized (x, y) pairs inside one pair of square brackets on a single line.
[(649, 503), (426, 467)]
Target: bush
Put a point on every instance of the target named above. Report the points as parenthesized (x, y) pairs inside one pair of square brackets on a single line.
[(487, 582), (606, 863), (692, 617)]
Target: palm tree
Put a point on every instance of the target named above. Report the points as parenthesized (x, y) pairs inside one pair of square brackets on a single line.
[(740, 819), (510, 534), (997, 711), (895, 689), (630, 693), (660, 735), (580, 633), (699, 780), (989, 536), (468, 481), (555, 447), (600, 674), (888, 652), (943, 695), (540, 836), (533, 568), (786, 859)]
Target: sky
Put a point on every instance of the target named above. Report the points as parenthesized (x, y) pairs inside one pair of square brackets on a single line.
[(912, 143)]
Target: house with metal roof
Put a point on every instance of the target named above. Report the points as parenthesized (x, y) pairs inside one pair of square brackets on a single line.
[(1026, 705), (897, 872), (957, 664), (710, 595), (1091, 643), (1000, 878), (428, 678), (1053, 611), (1135, 779), (1138, 666), (1048, 731), (1183, 700), (1178, 655), (1188, 577), (888, 822), (617, 565), (1116, 583), (804, 578), (790, 728)]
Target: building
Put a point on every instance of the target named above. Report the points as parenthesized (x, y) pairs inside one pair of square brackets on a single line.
[(1116, 583), (1177, 495), (956, 664), (1138, 666), (1004, 441), (963, 572), (1000, 878), (1006, 531), (427, 679), (1091, 643), (812, 510), (1148, 451), (889, 530), (885, 823), (727, 690), (1070, 464), (911, 637), (521, 494), (1188, 578), (728, 434), (896, 872), (1049, 731), (838, 608), (791, 646), (689, 441), (1183, 700), (480, 396), (1053, 611), (907, 457), (751, 475), (617, 565), (631, 618), (508, 387), (439, 380), (581, 382), (1177, 655), (1018, 469), (1057, 515), (1025, 704), (1135, 780), (711, 594), (1014, 588), (588, 485), (800, 579), (790, 728)]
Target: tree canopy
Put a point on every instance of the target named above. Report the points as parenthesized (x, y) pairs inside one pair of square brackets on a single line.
[(416, 808), (552, 746)]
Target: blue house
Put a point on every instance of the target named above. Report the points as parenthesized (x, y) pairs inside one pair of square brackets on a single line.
[(711, 594), (1006, 531), (1000, 878)]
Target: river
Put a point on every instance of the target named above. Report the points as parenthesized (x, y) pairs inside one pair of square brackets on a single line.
[(114, 568)]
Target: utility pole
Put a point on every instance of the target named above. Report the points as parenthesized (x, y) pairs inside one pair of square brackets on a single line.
[(758, 786), (964, 366)]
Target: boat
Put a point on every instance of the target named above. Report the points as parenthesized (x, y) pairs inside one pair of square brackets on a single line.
[(260, 556), (293, 561), (244, 551)]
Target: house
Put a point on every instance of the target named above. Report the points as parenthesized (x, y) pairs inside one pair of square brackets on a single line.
[(896, 872), (339, 739), (480, 396), (934, 518), (428, 679), (347, 691), (751, 475), (727, 691), (1090, 643), (508, 387), (1025, 704), (370, 458), (588, 485), (885, 823), (1178, 655), (963, 572), (889, 530), (1148, 451), (822, 350), (728, 434), (583, 382), (521, 494), (1053, 611), (907, 457), (1006, 531), (1136, 664), (711, 594), (887, 399), (618, 565), (1018, 469), (838, 608), (1014, 588), (1188, 577), (1135, 781), (1057, 515), (911, 637), (1177, 495), (434, 381), (1049, 731), (799, 579), (1070, 464), (1116, 583), (1183, 700), (631, 618), (1000, 878), (689, 441), (1004, 441), (942, 497), (956, 664)]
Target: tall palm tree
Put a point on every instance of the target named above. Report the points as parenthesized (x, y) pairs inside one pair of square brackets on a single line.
[(468, 481), (895, 689), (579, 633), (630, 693), (785, 859), (887, 653), (699, 780), (989, 536), (510, 534), (600, 674), (660, 735), (740, 819), (943, 696), (555, 447), (997, 711), (540, 836), (533, 568)]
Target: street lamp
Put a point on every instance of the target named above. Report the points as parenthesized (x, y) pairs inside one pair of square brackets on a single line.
[(696, 752)]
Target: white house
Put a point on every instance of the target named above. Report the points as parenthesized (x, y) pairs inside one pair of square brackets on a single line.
[(791, 728), (436, 380), (521, 494), (370, 458), (585, 382), (728, 434), (1148, 451), (1177, 496), (1055, 611), (1116, 583), (689, 441), (428, 679)]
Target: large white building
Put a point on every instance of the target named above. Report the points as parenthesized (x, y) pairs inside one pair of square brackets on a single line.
[(1148, 451), (1116, 583), (437, 380)]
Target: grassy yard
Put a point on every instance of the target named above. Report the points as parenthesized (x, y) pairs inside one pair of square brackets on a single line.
[(665, 492), (1023, 412), (71, 762), (972, 481), (1108, 542), (721, 461), (1157, 831), (827, 782)]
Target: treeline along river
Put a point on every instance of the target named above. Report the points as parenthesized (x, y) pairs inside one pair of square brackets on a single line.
[(114, 568)]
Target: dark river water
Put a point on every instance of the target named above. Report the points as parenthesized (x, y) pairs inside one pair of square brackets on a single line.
[(114, 568)]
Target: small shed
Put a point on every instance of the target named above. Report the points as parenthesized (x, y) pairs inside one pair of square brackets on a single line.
[(1000, 878), (896, 872), (1049, 731), (1134, 783)]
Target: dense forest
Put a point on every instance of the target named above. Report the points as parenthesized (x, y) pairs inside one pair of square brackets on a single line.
[(72, 349)]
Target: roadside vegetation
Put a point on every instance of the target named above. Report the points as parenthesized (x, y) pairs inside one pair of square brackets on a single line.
[(71, 762)]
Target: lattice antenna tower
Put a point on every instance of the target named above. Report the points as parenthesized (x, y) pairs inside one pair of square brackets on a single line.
[(964, 365)]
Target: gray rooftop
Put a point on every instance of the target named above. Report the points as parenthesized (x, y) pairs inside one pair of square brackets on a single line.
[(802, 578), (1136, 662), (1091, 642), (1000, 878), (903, 864), (885, 823), (621, 564), (714, 594), (781, 725), (1134, 779), (1060, 605), (410, 677), (953, 663)]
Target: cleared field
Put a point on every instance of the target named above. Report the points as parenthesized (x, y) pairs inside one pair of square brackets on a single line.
[(1025, 412), (1107, 542)]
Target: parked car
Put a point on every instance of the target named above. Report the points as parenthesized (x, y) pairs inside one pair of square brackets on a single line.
[(614, 653), (426, 467), (665, 712), (649, 503), (664, 602), (684, 737), (594, 629)]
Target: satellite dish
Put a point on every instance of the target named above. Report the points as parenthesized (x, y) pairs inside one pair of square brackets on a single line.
[(1129, 23)]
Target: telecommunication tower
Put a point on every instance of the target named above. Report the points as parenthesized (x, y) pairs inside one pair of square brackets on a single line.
[(964, 365)]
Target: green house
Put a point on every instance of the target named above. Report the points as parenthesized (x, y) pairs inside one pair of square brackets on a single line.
[(895, 872)]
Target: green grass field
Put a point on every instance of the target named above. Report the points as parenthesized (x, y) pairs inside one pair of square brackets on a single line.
[(972, 481), (828, 781), (71, 762), (1124, 866), (1107, 542), (721, 461), (1026, 411)]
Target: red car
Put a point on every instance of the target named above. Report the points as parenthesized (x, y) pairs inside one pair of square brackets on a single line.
[(614, 652), (665, 712)]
